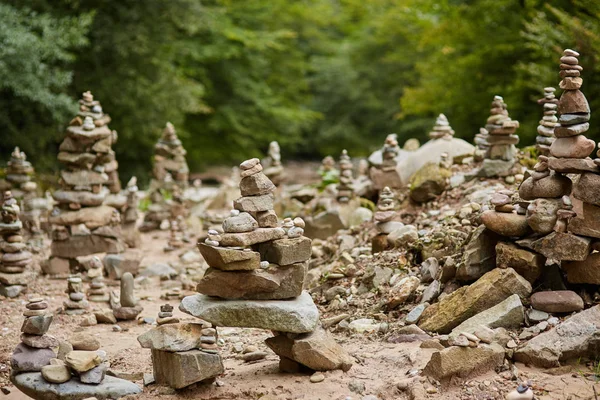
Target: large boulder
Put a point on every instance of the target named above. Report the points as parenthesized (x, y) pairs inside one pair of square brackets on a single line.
[(92, 217), (491, 289), (577, 337), (507, 314), (560, 246), (428, 182), (527, 263), (181, 369)]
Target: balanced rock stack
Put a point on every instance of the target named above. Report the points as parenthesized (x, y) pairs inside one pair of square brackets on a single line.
[(14, 274), (36, 325), (501, 139), (441, 129), (82, 224), (127, 307), (177, 223), (385, 174), (18, 174), (77, 304), (98, 292), (549, 121), (384, 219), (182, 353), (259, 268), (272, 164), (345, 189), (169, 158), (506, 219), (131, 234)]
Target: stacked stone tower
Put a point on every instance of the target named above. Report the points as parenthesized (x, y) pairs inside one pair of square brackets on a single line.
[(549, 121), (345, 188), (441, 129)]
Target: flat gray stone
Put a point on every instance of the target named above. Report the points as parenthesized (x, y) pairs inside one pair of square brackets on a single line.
[(299, 315), (34, 385)]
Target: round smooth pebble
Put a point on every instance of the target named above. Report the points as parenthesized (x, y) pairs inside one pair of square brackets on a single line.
[(317, 377)]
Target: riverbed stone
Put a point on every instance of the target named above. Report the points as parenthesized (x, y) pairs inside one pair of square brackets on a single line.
[(172, 337), (181, 369), (464, 361), (557, 301)]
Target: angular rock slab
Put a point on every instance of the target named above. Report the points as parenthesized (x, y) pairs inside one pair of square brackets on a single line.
[(560, 246), (587, 188), (172, 337), (181, 369), (574, 338), (299, 315), (527, 263), (259, 235), (286, 251), (316, 350), (587, 220), (587, 271), (491, 289), (228, 259), (77, 246), (35, 386), (464, 361)]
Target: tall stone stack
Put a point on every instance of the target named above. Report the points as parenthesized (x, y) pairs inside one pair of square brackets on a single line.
[(441, 129), (19, 172), (273, 168), (105, 155), (385, 219), (549, 121), (82, 225), (501, 138), (14, 274), (345, 188), (77, 303), (257, 271), (386, 174), (131, 234), (169, 158)]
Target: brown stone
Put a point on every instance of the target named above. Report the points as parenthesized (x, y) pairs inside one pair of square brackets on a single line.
[(77, 246), (84, 341), (83, 177), (256, 185), (526, 263), (587, 188), (286, 251), (505, 224), (253, 204), (552, 186), (259, 235), (572, 147), (587, 271), (92, 217), (557, 301), (228, 259), (573, 102), (587, 221), (572, 165), (560, 246), (571, 130), (464, 361), (275, 283), (181, 369), (571, 83), (267, 219), (542, 215)]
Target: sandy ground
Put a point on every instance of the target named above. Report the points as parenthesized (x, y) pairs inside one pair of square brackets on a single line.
[(379, 367)]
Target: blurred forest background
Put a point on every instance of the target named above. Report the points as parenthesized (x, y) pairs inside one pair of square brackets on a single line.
[(316, 75)]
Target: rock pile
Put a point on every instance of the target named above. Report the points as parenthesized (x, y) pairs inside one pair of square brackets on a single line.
[(385, 173), (131, 234), (14, 274), (549, 121), (441, 129), (256, 275), (501, 139), (77, 372), (345, 189), (127, 307), (384, 220), (177, 224), (182, 353), (82, 224), (98, 291), (77, 304), (273, 168), (170, 171)]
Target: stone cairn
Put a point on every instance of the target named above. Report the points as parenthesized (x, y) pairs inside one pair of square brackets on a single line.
[(386, 173), (549, 121), (345, 188), (272, 164), (170, 171), (131, 234), (77, 304), (501, 139), (19, 172), (384, 219), (82, 225), (98, 292), (15, 259), (127, 307), (79, 368), (555, 228), (182, 353), (88, 107), (257, 271), (177, 223), (441, 129)]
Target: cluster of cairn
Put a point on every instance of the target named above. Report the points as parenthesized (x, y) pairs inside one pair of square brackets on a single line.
[(273, 168), (171, 173), (258, 267), (500, 140), (386, 174), (345, 188), (441, 129), (182, 353), (77, 303), (15, 258), (82, 224), (549, 121)]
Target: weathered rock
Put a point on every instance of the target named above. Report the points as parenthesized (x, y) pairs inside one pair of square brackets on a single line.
[(586, 222), (464, 361), (256, 185), (253, 204), (29, 359), (181, 369), (557, 301), (552, 186), (84, 341), (37, 325), (259, 235), (117, 264), (428, 182), (87, 199), (505, 224), (228, 259), (286, 251), (127, 297), (431, 292), (402, 290), (83, 177), (429, 269), (507, 314), (56, 373), (575, 338), (83, 245), (560, 246), (415, 314), (587, 188), (34, 385), (491, 289), (92, 217), (39, 342), (479, 255), (316, 350), (573, 102), (587, 271), (526, 263), (243, 222), (572, 165), (403, 236), (572, 147), (274, 283), (541, 215), (298, 315), (95, 375), (105, 317), (172, 337), (82, 361)]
